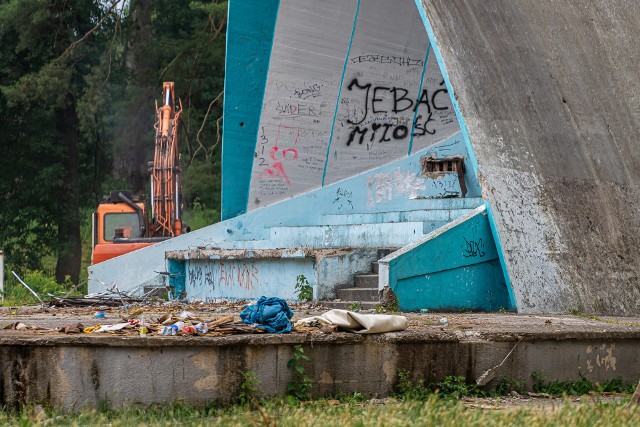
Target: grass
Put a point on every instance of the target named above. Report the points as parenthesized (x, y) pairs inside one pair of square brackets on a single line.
[(434, 411)]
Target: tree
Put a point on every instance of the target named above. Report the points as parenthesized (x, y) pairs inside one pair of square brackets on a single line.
[(77, 83), (43, 77)]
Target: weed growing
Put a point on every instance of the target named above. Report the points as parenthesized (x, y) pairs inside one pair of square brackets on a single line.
[(249, 392), (451, 387), (578, 387), (299, 388), (303, 289)]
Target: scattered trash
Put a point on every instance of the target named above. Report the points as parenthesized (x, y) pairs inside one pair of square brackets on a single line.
[(270, 314), (424, 310), (202, 328), (99, 314), (444, 321), (72, 328), (189, 329), (16, 326), (186, 315), (111, 328), (143, 327)]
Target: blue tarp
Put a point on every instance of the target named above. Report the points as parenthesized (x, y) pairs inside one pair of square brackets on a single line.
[(270, 314)]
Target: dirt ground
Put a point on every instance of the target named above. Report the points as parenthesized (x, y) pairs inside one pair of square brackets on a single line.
[(466, 323)]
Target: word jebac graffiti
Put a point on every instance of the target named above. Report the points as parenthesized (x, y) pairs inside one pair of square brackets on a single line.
[(384, 100)]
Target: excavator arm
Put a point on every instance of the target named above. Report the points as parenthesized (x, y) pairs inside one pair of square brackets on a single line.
[(166, 209)]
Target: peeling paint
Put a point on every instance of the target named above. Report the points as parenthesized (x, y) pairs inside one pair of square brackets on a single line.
[(386, 186)]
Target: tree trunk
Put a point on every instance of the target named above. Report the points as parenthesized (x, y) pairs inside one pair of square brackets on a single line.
[(134, 136), (69, 243)]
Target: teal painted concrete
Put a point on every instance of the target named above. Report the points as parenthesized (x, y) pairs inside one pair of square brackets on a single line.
[(479, 287), (455, 267), (177, 278), (250, 29)]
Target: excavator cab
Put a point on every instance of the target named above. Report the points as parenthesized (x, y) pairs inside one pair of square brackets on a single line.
[(119, 226)]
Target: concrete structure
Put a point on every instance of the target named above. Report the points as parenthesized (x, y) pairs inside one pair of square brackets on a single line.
[(406, 116), (71, 372)]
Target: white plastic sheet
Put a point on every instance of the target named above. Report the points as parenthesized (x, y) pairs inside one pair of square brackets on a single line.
[(360, 323)]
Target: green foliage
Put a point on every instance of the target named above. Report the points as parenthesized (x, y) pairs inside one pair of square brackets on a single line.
[(451, 387), (303, 289), (77, 83), (508, 385), (616, 385), (456, 387), (249, 392), (408, 389), (355, 306), (198, 216), (299, 388), (578, 387), (41, 283)]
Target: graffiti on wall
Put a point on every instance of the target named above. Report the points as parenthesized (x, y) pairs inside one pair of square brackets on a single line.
[(220, 274), (354, 102)]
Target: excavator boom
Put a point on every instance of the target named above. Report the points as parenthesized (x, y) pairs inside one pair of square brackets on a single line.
[(165, 179)]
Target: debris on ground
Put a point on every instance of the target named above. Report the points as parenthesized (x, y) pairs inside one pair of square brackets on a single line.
[(71, 328)]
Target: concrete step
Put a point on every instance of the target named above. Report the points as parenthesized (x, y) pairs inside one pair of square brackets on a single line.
[(357, 235), (350, 305), (366, 281), (358, 294), (442, 216)]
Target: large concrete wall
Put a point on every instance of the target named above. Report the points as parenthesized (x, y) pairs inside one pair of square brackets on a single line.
[(249, 41), (346, 93), (549, 97)]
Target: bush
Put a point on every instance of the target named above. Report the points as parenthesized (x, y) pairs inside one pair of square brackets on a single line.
[(42, 284)]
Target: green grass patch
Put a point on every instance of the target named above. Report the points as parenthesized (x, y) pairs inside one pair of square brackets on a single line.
[(432, 412)]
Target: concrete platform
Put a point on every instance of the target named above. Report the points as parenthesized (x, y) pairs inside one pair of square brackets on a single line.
[(73, 371)]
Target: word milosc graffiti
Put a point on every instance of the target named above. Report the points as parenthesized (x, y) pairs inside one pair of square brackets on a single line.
[(394, 100)]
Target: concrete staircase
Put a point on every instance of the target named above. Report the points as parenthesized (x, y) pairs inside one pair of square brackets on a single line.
[(364, 295)]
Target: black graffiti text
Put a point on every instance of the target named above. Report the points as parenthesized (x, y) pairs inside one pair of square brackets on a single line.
[(394, 100), (472, 248)]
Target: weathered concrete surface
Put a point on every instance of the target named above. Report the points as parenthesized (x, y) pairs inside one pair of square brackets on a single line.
[(85, 370), (550, 95)]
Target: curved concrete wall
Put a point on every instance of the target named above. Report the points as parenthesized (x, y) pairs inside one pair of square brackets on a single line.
[(550, 95)]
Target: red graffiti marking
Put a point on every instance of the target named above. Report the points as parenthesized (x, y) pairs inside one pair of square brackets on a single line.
[(276, 168)]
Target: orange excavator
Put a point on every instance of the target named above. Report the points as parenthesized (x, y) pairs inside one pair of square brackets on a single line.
[(121, 223)]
